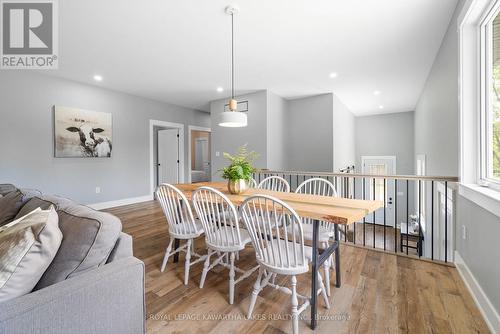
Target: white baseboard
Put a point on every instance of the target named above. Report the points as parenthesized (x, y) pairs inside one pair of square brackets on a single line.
[(120, 202), (485, 306)]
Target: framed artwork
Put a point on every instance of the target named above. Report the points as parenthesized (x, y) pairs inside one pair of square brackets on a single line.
[(82, 133)]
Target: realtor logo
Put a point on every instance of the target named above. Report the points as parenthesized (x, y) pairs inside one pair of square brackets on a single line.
[(29, 34)]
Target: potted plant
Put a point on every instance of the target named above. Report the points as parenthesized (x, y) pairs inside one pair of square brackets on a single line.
[(240, 170)]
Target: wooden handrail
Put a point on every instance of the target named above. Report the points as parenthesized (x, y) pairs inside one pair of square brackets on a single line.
[(354, 175)]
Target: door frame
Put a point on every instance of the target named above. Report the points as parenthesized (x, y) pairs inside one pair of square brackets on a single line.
[(152, 124), (197, 128), (390, 158)]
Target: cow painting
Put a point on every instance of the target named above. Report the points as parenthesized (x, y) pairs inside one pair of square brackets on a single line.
[(92, 145), (81, 133)]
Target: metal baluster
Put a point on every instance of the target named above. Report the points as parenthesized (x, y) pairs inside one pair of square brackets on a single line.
[(385, 206), (354, 235), (374, 198), (364, 218), (432, 220), (407, 213), (445, 221), (419, 245), (396, 215)]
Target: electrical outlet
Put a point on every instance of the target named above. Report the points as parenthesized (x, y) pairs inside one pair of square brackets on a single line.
[(97, 190), (217, 153), (464, 232)]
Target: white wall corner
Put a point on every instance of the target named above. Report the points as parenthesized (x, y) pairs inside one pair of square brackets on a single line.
[(482, 301), (120, 202)]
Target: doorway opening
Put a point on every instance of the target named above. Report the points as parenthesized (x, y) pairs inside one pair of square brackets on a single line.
[(199, 157), (166, 153)]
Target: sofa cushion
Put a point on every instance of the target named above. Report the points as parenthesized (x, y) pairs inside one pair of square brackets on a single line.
[(6, 188), (88, 238), (36, 202), (27, 247), (10, 204)]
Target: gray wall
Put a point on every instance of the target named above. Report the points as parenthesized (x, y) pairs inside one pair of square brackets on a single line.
[(480, 250), (387, 134), (437, 110), (437, 136), (276, 131), (230, 139), (26, 137), (309, 134), (343, 135)]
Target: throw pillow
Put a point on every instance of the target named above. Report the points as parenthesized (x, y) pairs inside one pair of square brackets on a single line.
[(10, 204), (27, 247)]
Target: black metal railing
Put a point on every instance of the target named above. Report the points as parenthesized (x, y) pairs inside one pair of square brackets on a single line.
[(417, 218)]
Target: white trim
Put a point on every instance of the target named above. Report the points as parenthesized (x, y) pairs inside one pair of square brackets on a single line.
[(485, 197), (152, 124), (471, 77), (482, 301), (120, 202), (195, 128)]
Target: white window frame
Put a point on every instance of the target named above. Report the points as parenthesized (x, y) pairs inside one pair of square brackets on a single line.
[(486, 48), (472, 184)]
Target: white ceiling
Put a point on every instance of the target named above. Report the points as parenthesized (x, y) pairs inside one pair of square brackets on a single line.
[(178, 51)]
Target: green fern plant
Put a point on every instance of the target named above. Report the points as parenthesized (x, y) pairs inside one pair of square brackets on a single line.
[(240, 167)]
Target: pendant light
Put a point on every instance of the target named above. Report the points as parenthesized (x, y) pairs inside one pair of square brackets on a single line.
[(232, 118)]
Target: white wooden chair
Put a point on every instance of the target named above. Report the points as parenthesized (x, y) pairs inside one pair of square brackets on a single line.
[(321, 187), (277, 236), (223, 234), (181, 225), (253, 183), (275, 183)]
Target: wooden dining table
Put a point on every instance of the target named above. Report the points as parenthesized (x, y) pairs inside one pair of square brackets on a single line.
[(336, 210)]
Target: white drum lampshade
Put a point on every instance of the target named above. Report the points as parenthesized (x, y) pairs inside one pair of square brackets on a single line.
[(233, 119)]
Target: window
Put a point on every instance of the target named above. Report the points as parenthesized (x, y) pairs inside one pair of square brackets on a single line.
[(490, 115), (380, 169)]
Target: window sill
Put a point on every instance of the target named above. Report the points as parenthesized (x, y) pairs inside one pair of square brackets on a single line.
[(485, 197)]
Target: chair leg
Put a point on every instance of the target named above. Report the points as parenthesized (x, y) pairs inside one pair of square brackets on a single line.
[(326, 266), (167, 254), (205, 268), (295, 304), (255, 293), (231, 279), (188, 262), (323, 291)]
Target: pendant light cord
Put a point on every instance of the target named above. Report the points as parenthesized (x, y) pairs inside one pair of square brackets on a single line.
[(232, 55)]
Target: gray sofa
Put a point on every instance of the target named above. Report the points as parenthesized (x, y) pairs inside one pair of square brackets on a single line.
[(93, 285)]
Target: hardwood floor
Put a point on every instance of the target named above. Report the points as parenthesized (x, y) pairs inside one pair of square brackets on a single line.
[(381, 293)]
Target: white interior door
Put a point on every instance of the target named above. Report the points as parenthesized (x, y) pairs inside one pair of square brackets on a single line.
[(168, 156), (374, 188)]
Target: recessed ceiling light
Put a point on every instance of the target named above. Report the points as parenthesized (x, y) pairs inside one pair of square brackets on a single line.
[(220, 89), (97, 77), (376, 92), (333, 75), (381, 107)]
